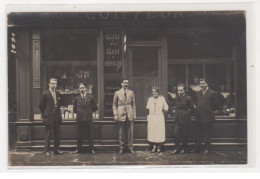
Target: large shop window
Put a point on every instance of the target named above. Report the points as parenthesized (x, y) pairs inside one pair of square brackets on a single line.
[(220, 77), (71, 57), (194, 55)]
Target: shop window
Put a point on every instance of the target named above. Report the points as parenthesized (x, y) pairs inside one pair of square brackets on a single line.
[(220, 78), (176, 75), (68, 79), (68, 46), (113, 67), (195, 71)]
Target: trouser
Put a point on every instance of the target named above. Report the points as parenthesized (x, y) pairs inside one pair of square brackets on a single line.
[(81, 127), (203, 131), (181, 134), (126, 129), (55, 128)]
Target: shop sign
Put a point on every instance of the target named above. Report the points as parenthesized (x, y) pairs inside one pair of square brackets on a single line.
[(113, 50)]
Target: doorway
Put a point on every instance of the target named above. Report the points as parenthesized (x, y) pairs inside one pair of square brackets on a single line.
[(143, 71)]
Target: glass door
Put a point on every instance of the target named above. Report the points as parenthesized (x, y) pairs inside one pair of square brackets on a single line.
[(143, 74)]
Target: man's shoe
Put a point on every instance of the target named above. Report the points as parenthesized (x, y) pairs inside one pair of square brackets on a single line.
[(120, 152), (175, 152), (47, 154), (182, 151), (195, 150), (92, 152), (57, 152), (132, 151), (206, 152)]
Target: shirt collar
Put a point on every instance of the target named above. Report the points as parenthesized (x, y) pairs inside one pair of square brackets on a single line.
[(204, 91), (51, 90), (124, 89)]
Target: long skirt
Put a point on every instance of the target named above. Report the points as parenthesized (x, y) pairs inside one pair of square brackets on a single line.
[(156, 128)]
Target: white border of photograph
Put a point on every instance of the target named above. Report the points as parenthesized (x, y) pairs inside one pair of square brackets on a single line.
[(250, 7)]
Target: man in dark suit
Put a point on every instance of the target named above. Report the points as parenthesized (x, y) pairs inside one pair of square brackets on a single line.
[(184, 106), (51, 114), (84, 106), (206, 106)]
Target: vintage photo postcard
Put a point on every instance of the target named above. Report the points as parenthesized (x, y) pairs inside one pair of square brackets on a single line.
[(127, 87)]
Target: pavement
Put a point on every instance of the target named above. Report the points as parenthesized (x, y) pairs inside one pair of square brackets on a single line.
[(37, 158)]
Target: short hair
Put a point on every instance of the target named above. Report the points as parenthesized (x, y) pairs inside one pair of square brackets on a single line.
[(123, 79), (53, 79), (204, 79), (156, 89), (84, 85), (181, 85)]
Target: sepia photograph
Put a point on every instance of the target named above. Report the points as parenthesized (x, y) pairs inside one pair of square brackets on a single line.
[(127, 88)]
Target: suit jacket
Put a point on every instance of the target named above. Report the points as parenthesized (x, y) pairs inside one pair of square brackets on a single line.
[(50, 113), (122, 107), (206, 106), (85, 107), (184, 106)]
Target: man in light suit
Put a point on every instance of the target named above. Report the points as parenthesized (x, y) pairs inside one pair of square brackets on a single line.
[(84, 106), (51, 114), (125, 113), (207, 103)]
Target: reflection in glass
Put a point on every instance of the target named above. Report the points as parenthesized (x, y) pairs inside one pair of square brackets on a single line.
[(145, 61)]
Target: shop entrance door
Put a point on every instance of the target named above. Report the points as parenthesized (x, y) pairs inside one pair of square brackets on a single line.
[(143, 70)]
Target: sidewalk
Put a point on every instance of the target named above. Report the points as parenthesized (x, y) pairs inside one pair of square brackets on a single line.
[(37, 158)]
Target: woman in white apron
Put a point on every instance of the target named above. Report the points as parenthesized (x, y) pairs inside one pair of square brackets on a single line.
[(156, 122)]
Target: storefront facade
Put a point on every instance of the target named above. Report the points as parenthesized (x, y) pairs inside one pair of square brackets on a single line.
[(149, 48)]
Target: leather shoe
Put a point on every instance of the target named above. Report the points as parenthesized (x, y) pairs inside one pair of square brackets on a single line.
[(175, 152), (92, 152), (120, 152), (132, 151), (47, 154), (182, 151), (206, 152), (195, 150), (57, 152)]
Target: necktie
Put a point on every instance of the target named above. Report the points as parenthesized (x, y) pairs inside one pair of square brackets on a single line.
[(54, 96), (125, 95)]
